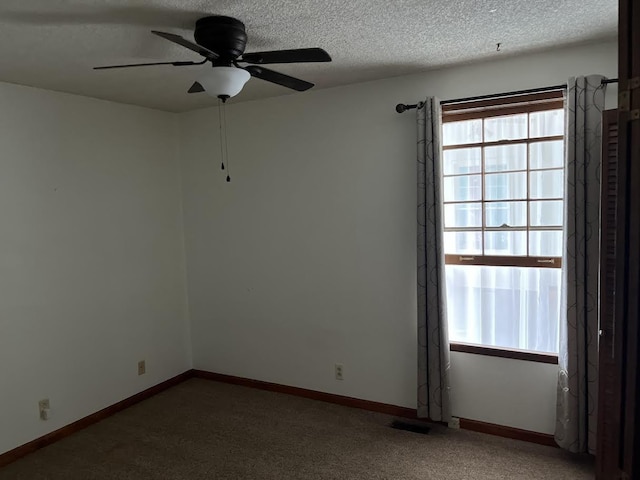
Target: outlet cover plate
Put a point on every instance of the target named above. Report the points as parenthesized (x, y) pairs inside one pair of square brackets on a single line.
[(43, 406)]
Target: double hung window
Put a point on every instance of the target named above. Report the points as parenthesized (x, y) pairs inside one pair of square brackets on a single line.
[(503, 191)]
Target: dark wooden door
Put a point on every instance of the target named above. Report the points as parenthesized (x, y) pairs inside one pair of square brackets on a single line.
[(610, 354), (619, 451), (628, 278)]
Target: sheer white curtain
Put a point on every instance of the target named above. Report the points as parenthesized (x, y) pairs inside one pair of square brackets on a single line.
[(512, 307)]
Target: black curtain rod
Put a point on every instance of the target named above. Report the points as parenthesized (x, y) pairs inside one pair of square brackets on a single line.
[(401, 107)]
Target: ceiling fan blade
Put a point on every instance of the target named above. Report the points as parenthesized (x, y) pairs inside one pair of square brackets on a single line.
[(279, 78), (175, 64), (205, 52), (298, 55), (196, 88)]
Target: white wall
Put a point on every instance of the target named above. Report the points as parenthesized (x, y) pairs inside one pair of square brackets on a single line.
[(304, 260), (516, 393), (91, 257), (308, 257)]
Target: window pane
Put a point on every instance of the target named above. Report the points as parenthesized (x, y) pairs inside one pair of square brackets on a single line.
[(510, 307), (546, 154), (505, 157), (462, 160), (458, 133), (546, 184), (460, 189), (463, 215), (505, 243), (511, 214), (545, 243), (544, 124), (509, 127), (546, 213), (505, 186), (463, 243)]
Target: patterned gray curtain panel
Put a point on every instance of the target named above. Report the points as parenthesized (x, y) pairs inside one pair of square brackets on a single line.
[(578, 359), (433, 341)]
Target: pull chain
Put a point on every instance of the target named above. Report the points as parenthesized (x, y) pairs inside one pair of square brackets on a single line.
[(221, 134), (226, 145)]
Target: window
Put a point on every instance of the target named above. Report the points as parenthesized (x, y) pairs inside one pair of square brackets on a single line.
[(503, 184)]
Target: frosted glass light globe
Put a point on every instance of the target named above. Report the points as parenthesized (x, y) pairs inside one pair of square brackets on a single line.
[(224, 81)]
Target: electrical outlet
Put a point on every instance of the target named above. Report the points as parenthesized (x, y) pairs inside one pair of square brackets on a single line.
[(339, 371), (454, 423), (142, 367), (43, 406)]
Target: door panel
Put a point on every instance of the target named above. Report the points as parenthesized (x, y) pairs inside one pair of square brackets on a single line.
[(610, 344), (619, 452), (629, 246)]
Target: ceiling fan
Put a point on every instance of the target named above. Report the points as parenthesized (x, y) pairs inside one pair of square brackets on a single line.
[(221, 40)]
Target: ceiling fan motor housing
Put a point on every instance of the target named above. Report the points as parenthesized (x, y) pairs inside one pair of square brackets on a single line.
[(221, 41), (224, 35)]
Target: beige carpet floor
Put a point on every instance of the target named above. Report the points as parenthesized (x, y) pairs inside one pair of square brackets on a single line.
[(207, 430)]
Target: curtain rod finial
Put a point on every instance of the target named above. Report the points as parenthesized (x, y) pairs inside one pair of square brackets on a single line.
[(401, 108)]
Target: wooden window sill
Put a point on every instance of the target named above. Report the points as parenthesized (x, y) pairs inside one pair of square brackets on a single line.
[(505, 353)]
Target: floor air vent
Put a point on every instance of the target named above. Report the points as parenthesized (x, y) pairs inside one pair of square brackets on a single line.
[(410, 427)]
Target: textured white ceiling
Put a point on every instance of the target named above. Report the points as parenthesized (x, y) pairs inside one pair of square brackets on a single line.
[(54, 43)]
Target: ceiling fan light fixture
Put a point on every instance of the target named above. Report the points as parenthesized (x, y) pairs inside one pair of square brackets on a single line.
[(224, 81)]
